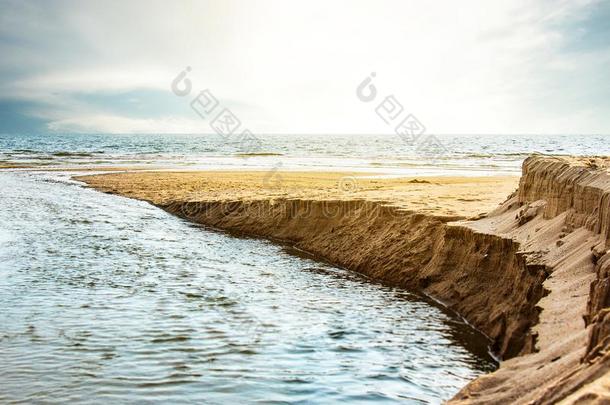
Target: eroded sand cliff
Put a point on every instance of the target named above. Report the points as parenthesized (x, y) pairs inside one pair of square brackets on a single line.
[(533, 274)]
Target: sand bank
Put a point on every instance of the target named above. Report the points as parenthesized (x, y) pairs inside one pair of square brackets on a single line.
[(532, 274), (442, 196)]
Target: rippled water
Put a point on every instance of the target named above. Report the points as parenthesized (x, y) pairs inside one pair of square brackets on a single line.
[(106, 299), (464, 154)]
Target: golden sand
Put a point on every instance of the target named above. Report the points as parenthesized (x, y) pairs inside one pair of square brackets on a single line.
[(446, 196)]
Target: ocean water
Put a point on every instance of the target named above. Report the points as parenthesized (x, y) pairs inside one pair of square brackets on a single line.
[(389, 154), (110, 300)]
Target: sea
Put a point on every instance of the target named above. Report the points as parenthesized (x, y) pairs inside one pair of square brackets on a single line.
[(388, 154)]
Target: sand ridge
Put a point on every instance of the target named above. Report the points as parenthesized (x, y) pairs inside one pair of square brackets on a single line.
[(533, 273)]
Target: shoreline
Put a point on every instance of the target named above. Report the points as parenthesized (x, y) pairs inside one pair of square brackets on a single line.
[(505, 272)]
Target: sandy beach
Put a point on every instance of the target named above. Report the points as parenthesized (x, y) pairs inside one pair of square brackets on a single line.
[(458, 197), (321, 202), (523, 260)]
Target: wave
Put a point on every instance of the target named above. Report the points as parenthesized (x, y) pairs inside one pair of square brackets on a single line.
[(259, 154), (492, 155), (72, 154)]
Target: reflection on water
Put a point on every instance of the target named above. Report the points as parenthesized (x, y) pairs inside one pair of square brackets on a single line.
[(108, 299)]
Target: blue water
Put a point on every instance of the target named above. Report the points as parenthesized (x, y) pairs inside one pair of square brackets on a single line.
[(465, 153), (110, 300)]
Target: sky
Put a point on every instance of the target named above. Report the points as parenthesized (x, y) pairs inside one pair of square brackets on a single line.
[(283, 66)]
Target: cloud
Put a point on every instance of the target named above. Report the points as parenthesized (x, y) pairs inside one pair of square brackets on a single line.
[(114, 124), (293, 67), (97, 80)]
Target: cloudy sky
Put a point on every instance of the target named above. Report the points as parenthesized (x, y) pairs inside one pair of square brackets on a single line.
[(488, 66)]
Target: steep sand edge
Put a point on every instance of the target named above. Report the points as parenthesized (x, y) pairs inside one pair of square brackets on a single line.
[(521, 275)]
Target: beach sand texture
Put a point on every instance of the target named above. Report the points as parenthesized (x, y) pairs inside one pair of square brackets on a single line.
[(442, 196)]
